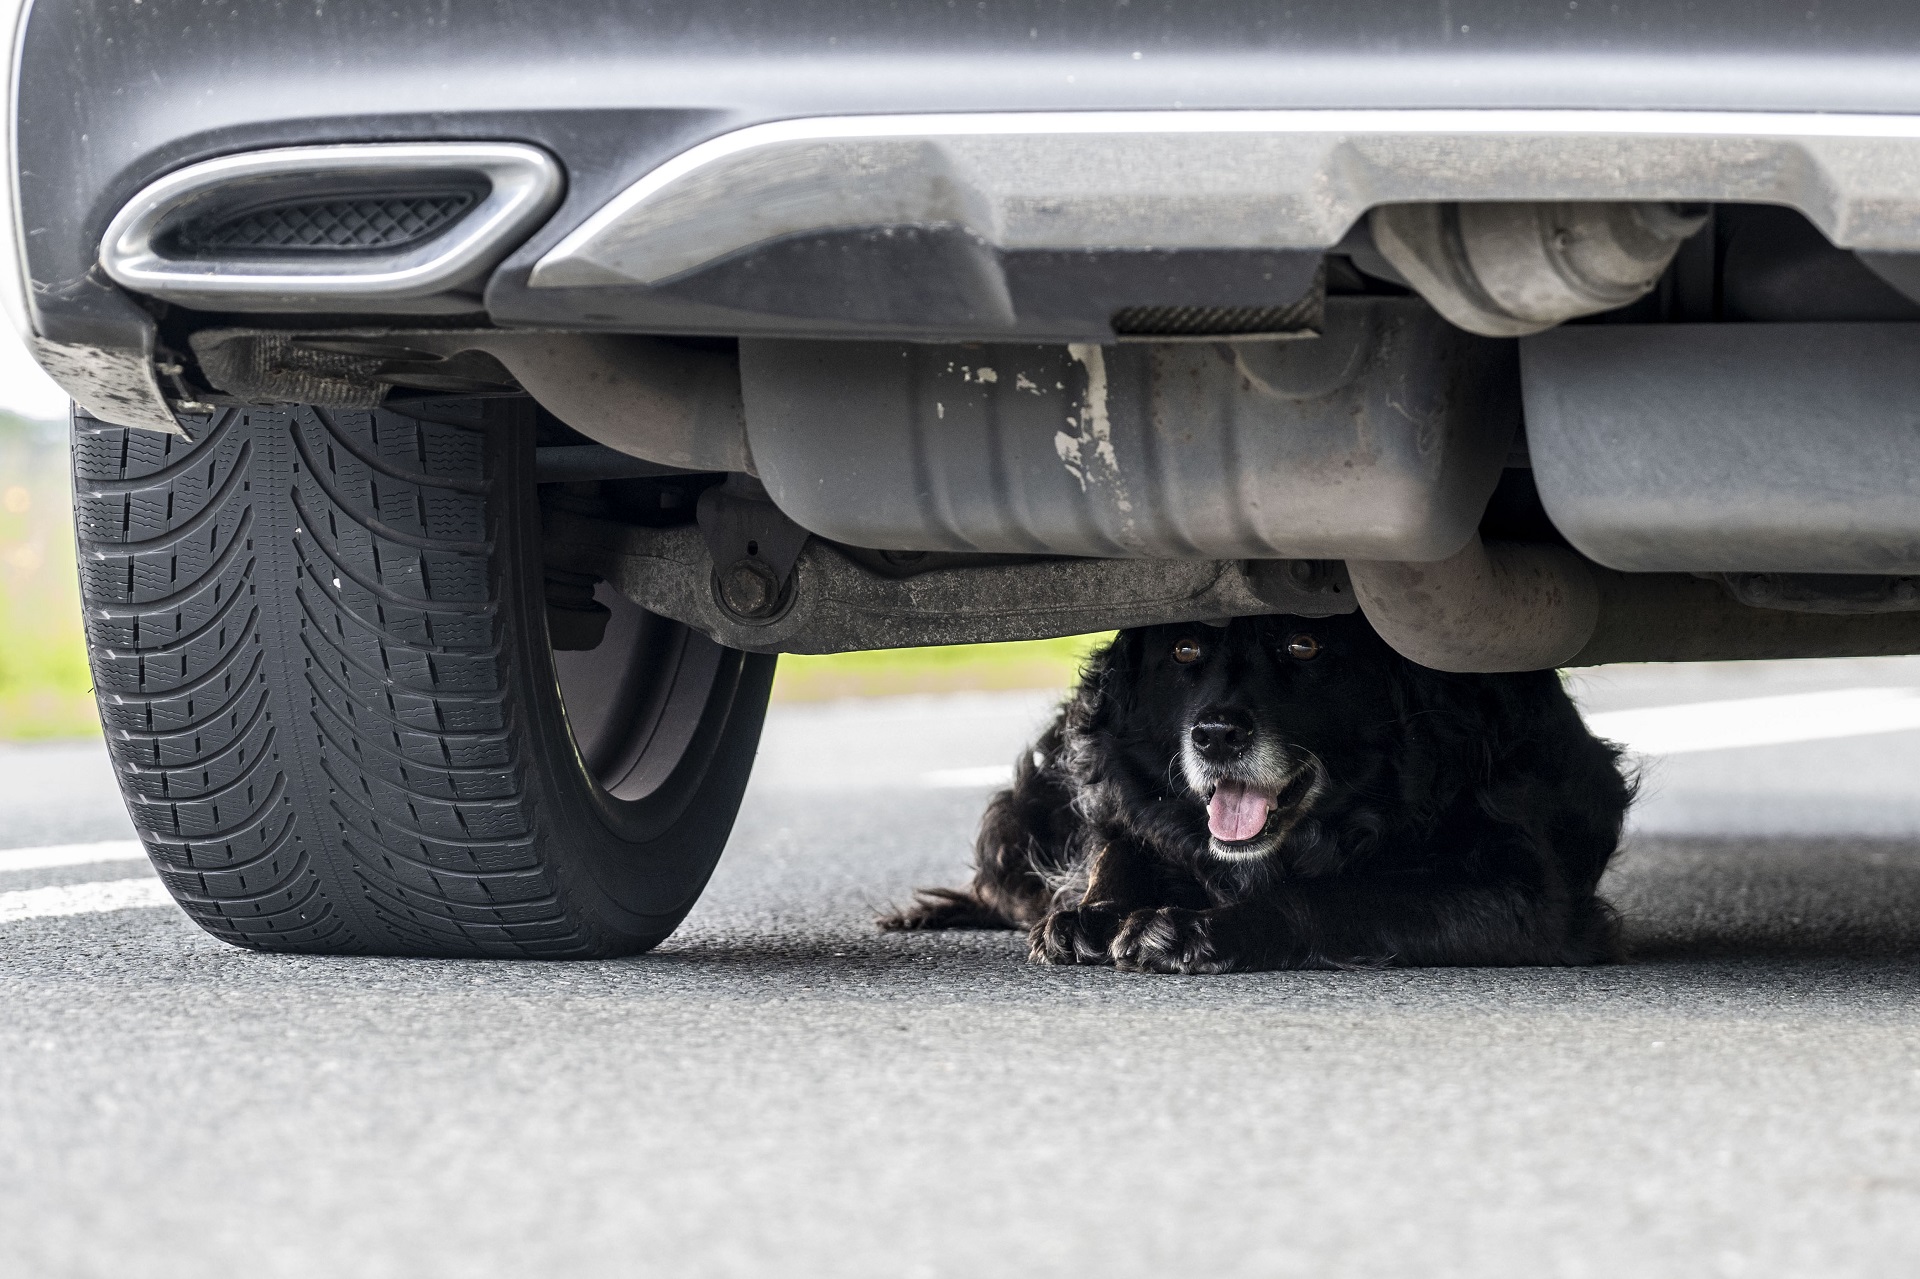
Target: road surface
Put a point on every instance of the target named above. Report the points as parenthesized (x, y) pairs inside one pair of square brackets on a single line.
[(781, 1091)]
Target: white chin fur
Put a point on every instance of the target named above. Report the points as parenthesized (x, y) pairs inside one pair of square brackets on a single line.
[(1253, 850), (1268, 767)]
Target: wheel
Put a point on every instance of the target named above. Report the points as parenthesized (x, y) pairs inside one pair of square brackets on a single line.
[(319, 643)]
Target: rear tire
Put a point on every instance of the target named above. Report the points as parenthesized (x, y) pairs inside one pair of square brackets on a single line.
[(319, 645)]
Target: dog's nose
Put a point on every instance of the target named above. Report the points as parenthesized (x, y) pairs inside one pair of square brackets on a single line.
[(1220, 736)]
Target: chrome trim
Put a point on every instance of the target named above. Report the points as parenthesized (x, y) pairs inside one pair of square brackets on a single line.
[(1226, 179), (524, 186)]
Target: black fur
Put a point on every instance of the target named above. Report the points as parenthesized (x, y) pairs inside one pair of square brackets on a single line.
[(1414, 817)]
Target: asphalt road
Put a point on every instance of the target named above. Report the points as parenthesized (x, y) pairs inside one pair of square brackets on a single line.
[(781, 1091)]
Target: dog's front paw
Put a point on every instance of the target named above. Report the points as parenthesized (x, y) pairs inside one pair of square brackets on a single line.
[(1079, 936), (1170, 940)]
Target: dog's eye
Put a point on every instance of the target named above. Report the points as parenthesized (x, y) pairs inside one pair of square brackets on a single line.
[(1186, 651), (1302, 647)]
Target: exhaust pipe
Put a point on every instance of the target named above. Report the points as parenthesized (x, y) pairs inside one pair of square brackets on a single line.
[(1508, 606), (1509, 269)]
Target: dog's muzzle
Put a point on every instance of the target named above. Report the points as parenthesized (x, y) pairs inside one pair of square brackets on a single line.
[(1253, 793)]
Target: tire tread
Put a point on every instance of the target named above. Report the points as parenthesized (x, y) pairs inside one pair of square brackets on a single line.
[(318, 747)]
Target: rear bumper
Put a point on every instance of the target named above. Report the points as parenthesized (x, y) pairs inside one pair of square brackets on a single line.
[(1219, 105), (1009, 194)]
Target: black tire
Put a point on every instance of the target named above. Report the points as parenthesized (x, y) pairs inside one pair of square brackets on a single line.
[(320, 650)]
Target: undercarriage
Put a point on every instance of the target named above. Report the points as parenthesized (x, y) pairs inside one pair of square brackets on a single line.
[(472, 411)]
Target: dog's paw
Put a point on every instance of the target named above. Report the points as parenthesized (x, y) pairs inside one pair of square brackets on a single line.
[(1169, 940), (1079, 936)]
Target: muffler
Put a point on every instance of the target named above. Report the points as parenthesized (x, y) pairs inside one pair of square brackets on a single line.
[(1382, 438)]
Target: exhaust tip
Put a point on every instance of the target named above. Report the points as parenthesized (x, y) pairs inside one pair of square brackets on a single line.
[(373, 226)]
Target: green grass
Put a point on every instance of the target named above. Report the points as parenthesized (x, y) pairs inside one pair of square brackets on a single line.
[(45, 686), (1051, 663), (44, 682)]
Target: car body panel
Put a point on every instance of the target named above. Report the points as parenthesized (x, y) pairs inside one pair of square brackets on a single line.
[(116, 93)]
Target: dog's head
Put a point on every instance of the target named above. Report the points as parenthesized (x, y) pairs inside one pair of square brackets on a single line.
[(1249, 723)]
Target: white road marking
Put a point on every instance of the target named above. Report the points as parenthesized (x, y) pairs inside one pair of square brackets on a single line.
[(82, 899), (965, 778), (1761, 721), (1673, 730), (1653, 730), (114, 850)]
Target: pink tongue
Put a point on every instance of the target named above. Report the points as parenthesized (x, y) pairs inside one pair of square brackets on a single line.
[(1236, 812)]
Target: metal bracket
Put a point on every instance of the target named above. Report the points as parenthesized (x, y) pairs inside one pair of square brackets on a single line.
[(1304, 588), (835, 603), (754, 547), (1837, 593)]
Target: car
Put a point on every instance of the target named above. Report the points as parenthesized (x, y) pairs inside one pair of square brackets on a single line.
[(473, 400)]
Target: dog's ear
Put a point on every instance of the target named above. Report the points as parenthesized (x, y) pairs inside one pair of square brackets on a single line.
[(1107, 684), (1443, 749), (1121, 665)]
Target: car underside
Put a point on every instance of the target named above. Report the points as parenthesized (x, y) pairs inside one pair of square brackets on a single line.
[(1544, 337)]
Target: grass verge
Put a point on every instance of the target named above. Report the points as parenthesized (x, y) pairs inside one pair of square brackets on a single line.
[(44, 682), (956, 668)]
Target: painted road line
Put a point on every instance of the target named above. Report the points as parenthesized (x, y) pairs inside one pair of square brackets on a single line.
[(1728, 724), (1761, 721), (113, 850), (82, 899), (967, 778)]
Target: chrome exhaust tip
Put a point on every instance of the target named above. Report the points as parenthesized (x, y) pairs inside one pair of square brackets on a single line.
[(361, 227)]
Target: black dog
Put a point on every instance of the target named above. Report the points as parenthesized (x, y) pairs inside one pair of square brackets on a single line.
[(1285, 793)]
